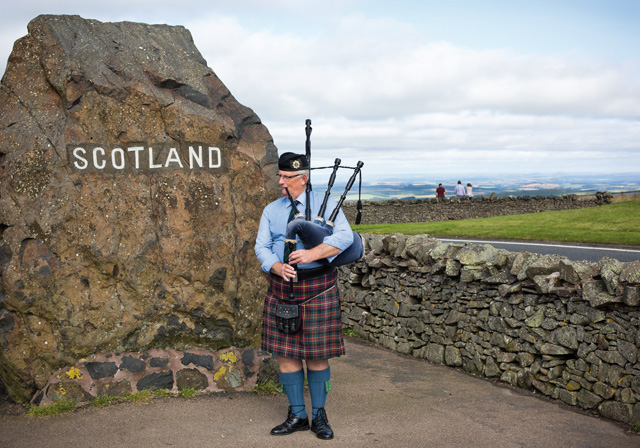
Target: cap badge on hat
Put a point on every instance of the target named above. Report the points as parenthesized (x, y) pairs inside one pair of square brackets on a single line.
[(295, 164)]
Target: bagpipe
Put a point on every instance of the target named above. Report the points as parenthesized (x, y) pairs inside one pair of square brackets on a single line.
[(312, 233)]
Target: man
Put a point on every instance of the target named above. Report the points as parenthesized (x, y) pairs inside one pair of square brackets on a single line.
[(440, 192), (320, 337), (459, 190)]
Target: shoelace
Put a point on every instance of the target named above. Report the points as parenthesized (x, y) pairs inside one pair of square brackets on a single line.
[(321, 420)]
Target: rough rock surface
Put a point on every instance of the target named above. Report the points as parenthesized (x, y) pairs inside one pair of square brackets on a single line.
[(131, 186)]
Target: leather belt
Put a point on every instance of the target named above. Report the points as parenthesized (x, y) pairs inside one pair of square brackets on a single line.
[(305, 274)]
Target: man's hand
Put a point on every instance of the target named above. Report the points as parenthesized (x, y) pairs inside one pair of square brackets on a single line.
[(303, 256), (286, 271), (306, 256)]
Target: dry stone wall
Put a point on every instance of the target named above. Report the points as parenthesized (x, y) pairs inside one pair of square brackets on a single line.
[(567, 329), (432, 210)]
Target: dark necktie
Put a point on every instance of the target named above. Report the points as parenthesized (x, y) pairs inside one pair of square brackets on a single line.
[(286, 246)]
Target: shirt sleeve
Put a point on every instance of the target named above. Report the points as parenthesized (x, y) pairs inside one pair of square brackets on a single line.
[(342, 236), (264, 243)]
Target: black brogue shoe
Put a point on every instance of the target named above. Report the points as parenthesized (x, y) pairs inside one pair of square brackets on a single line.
[(292, 424), (320, 426)]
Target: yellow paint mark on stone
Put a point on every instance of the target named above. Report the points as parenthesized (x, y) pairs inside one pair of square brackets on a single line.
[(229, 357), (220, 373), (73, 373)]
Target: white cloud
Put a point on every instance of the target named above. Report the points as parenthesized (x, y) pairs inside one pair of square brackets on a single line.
[(386, 89), (378, 93), (388, 77)]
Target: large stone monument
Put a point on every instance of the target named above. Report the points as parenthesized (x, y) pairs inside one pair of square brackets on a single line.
[(131, 187)]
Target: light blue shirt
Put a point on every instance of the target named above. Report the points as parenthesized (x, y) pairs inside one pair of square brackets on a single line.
[(273, 225)]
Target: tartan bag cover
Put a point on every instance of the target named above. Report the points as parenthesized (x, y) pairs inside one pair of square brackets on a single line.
[(321, 333)]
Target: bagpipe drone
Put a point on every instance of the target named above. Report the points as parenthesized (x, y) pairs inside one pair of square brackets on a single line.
[(312, 233)]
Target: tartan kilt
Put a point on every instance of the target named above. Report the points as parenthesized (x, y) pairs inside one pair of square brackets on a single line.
[(320, 336)]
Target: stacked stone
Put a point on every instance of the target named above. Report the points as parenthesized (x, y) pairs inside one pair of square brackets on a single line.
[(568, 329), (120, 374), (434, 210)]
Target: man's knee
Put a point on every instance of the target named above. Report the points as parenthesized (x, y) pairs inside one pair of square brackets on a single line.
[(317, 364), (289, 365)]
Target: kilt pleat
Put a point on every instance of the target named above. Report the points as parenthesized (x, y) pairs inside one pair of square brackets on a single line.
[(321, 334)]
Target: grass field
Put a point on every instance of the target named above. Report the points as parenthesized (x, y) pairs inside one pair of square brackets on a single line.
[(617, 223)]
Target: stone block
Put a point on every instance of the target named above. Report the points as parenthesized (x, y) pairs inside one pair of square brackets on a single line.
[(68, 390), (469, 274), (553, 349), (627, 396), (536, 319), (435, 353), (191, 378), (491, 369), (610, 273), (496, 324), (132, 364), (630, 273), (611, 357), (269, 371), (114, 389), (544, 265), (159, 361), (504, 280), (571, 398), (567, 337), (156, 380), (631, 295), (635, 416), (628, 350), (510, 377), (525, 359), (575, 272), (248, 357), (100, 370), (588, 400), (613, 410), (452, 356), (595, 292), (205, 361), (415, 246), (603, 390), (394, 244), (452, 268), (478, 254)]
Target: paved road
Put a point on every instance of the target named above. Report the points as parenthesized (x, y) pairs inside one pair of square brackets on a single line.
[(571, 251), (379, 398)]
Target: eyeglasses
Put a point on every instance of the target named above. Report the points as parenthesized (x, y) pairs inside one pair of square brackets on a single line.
[(287, 178)]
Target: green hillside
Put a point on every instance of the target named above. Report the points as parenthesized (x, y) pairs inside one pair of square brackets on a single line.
[(617, 223)]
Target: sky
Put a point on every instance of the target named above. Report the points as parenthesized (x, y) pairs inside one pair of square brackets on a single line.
[(416, 89)]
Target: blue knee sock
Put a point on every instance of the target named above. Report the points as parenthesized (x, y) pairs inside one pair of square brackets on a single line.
[(293, 384), (319, 386)]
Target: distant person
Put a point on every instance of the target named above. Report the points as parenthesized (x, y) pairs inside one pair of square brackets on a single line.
[(459, 190), (469, 191), (440, 193)]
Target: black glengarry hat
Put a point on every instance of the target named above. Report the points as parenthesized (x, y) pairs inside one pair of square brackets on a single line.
[(293, 162)]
